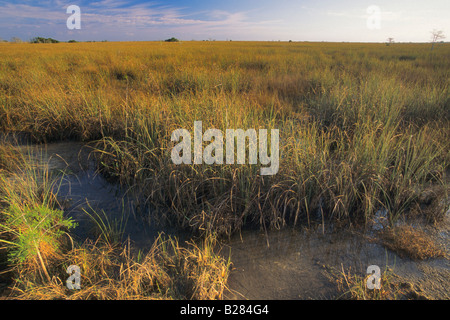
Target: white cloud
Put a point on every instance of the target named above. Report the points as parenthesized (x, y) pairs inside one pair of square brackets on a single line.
[(117, 20), (102, 17)]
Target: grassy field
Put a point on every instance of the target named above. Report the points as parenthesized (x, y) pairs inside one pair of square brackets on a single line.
[(363, 127)]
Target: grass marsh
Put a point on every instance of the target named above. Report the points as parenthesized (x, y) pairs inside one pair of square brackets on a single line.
[(363, 127)]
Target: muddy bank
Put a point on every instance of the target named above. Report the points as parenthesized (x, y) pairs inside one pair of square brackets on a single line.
[(295, 265)]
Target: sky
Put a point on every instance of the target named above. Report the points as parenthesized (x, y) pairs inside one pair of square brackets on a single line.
[(271, 20)]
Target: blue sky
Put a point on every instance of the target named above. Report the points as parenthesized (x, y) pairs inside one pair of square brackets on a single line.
[(298, 20)]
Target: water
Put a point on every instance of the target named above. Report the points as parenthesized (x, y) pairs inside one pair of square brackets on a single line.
[(287, 264), (296, 264), (90, 199)]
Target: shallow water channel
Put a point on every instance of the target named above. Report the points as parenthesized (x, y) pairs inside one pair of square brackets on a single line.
[(288, 264)]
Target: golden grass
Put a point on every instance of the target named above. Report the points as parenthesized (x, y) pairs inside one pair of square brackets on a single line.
[(411, 242), (363, 127), (167, 271)]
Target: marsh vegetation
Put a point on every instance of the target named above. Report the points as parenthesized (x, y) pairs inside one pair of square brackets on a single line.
[(363, 128)]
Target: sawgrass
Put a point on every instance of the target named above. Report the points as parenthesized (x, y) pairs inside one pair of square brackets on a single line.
[(32, 222), (363, 127)]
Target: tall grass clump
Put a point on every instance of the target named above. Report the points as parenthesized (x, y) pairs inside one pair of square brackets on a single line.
[(32, 224)]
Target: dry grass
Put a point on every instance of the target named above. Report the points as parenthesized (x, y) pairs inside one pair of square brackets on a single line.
[(361, 127), (34, 236), (167, 271), (353, 286), (411, 242)]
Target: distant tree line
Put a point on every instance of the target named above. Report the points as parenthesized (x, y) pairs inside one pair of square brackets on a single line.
[(38, 40), (43, 40)]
